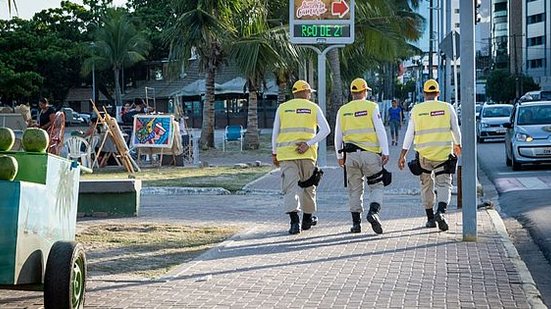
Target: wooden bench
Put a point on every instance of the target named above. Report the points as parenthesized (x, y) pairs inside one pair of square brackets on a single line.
[(105, 198)]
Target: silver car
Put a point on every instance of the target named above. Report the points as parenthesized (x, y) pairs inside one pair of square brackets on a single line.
[(528, 137), (490, 121)]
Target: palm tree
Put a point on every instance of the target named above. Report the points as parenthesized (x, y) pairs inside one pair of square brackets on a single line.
[(256, 53), (117, 45), (205, 26), (383, 30), (12, 4)]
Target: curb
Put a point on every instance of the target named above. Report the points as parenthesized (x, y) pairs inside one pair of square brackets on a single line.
[(529, 287), (183, 191)]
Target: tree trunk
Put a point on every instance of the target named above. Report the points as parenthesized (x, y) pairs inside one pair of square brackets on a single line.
[(207, 127), (281, 85), (336, 92), (251, 135), (118, 95)]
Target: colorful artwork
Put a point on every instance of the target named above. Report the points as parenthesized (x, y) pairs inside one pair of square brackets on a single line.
[(153, 131)]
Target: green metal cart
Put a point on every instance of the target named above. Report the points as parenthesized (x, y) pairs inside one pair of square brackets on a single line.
[(38, 213)]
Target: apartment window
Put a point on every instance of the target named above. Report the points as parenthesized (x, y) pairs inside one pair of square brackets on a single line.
[(531, 0), (456, 11), (538, 18), (500, 7), (456, 25), (538, 40), (535, 63)]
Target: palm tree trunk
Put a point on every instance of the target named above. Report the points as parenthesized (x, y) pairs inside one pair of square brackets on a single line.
[(336, 92), (281, 87), (207, 128), (251, 136), (118, 95)]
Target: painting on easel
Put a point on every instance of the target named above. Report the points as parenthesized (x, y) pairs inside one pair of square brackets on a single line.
[(155, 131)]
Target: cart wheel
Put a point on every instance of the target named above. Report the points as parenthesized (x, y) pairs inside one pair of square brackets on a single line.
[(65, 277)]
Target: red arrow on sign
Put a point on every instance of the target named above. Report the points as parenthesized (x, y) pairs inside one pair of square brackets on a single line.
[(339, 8)]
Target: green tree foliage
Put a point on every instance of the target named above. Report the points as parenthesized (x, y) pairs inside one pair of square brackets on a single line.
[(501, 86), (151, 16), (207, 27), (41, 50), (402, 91), (255, 51), (117, 45)]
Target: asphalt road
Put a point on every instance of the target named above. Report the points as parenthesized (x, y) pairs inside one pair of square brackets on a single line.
[(525, 196)]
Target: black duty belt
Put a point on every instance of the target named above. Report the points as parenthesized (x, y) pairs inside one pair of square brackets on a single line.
[(349, 147)]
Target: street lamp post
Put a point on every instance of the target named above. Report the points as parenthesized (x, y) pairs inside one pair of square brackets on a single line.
[(94, 82), (93, 76)]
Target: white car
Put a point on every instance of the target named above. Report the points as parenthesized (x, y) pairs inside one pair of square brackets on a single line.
[(528, 138), (490, 122)]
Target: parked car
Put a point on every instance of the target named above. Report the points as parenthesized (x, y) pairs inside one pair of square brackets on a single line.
[(491, 120), (72, 117), (85, 117), (538, 95), (477, 109), (528, 137)]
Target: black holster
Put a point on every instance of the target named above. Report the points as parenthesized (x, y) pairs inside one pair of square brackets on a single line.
[(415, 166), (449, 167), (384, 176), (314, 180)]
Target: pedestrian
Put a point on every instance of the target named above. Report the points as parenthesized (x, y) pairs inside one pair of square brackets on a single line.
[(433, 128), (46, 116), (294, 149), (394, 119), (364, 154)]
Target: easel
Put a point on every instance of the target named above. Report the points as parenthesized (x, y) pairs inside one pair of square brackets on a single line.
[(115, 133)]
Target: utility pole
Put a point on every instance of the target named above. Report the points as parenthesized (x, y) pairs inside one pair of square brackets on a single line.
[(517, 83), (431, 36), (469, 173)]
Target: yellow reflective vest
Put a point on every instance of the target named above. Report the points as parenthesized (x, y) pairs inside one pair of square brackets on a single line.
[(433, 134), (298, 120), (356, 121)]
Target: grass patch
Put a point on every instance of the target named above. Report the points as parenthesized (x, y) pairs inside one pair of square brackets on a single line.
[(230, 178), (147, 249)]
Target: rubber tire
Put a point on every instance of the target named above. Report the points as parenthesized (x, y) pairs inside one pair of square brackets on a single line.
[(65, 275), (508, 161), (515, 165)]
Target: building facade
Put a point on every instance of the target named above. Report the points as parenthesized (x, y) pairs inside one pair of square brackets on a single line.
[(536, 24)]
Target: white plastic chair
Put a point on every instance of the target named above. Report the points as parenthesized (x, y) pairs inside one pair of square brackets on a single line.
[(79, 149), (232, 133)]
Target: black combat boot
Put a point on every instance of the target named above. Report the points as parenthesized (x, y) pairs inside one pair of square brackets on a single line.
[(440, 218), (373, 218), (308, 221), (356, 222), (430, 218), (295, 223)]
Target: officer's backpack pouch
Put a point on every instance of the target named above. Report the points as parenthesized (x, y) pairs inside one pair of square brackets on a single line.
[(314, 180), (387, 177)]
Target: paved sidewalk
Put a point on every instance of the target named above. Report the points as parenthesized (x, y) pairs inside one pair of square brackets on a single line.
[(408, 266)]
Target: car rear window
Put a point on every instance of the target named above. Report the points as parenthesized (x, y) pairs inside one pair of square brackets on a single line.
[(497, 111), (530, 115)]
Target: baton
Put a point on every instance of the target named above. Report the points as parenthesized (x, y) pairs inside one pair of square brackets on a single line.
[(344, 167)]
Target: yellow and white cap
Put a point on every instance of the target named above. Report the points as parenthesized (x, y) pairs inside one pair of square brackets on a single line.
[(359, 85), (431, 85), (301, 85)]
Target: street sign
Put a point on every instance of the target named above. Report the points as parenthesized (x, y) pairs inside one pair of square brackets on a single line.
[(446, 46), (321, 21)]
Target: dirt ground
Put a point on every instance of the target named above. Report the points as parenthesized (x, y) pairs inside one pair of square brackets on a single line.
[(145, 250)]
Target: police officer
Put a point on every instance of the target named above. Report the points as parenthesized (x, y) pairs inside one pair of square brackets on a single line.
[(434, 129), (294, 149), (360, 126)]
